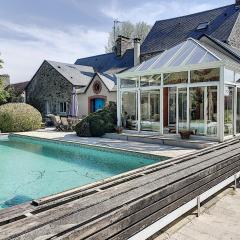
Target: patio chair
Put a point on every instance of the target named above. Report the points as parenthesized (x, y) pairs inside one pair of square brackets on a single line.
[(56, 121), (65, 126)]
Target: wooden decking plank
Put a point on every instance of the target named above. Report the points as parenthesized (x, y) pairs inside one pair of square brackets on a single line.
[(68, 209), (133, 229), (109, 223), (151, 208)]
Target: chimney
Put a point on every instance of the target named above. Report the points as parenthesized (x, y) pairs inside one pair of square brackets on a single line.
[(136, 42), (122, 44), (237, 3)]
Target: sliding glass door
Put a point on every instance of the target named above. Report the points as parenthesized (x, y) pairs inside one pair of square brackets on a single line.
[(150, 110)]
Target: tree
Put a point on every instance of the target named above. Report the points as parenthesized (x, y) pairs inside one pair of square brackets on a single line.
[(3, 93), (128, 29)]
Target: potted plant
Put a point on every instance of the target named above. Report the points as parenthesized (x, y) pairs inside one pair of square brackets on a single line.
[(119, 130), (185, 134)]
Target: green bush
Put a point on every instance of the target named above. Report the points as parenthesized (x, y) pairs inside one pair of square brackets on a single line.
[(19, 117), (98, 123)]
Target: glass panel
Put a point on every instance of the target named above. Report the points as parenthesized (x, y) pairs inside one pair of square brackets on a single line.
[(238, 112), (172, 106), (196, 103), (209, 58), (205, 75), (129, 82), (187, 49), (182, 109), (197, 55), (167, 55), (150, 110), (228, 110), (237, 77), (148, 63), (129, 110), (212, 123), (153, 80), (175, 78), (228, 75)]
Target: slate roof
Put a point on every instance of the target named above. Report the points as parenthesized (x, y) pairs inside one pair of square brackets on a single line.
[(76, 74), (19, 87), (168, 33), (109, 62)]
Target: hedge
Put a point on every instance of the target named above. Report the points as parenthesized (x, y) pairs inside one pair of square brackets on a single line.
[(19, 117)]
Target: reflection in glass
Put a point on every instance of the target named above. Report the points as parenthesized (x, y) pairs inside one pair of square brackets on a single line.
[(129, 110), (151, 80), (238, 112), (172, 106), (197, 110), (206, 75), (228, 110), (228, 75), (182, 109), (150, 110), (128, 83), (174, 78), (212, 111)]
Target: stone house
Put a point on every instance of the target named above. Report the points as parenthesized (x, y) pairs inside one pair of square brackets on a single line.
[(50, 90)]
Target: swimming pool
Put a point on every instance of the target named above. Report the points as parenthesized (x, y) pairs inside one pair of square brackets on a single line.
[(32, 168)]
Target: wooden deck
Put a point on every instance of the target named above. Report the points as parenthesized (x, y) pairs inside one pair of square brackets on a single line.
[(120, 207)]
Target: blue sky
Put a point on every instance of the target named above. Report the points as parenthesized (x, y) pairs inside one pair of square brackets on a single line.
[(64, 30)]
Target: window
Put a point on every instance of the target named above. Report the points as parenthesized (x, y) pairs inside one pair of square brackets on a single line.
[(129, 83), (205, 75), (175, 78), (63, 107), (153, 80), (202, 26)]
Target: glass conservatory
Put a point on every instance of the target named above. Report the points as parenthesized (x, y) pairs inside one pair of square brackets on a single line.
[(192, 86)]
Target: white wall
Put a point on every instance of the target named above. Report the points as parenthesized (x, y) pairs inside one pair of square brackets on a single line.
[(83, 97)]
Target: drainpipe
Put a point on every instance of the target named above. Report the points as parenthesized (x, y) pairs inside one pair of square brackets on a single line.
[(136, 42)]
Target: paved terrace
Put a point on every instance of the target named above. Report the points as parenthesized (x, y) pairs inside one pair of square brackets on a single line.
[(156, 149), (220, 220)]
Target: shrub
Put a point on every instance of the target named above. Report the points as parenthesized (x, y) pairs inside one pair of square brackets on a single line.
[(19, 117), (98, 123)]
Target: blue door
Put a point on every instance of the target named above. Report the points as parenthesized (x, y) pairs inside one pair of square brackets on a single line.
[(99, 103)]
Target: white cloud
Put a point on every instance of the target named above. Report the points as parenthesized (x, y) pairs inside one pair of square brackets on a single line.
[(152, 11), (23, 57)]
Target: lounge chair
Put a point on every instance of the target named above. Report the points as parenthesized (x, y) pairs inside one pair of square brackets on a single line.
[(56, 121), (65, 126)]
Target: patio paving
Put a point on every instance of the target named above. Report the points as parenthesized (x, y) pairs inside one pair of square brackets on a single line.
[(156, 149), (218, 222)]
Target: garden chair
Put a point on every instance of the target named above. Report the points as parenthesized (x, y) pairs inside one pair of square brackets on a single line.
[(65, 126), (56, 121)]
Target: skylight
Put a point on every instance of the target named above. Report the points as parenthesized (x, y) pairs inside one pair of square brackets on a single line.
[(202, 26)]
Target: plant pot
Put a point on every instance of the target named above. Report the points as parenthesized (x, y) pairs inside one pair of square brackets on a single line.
[(185, 134)]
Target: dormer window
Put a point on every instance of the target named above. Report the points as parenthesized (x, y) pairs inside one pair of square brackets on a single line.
[(202, 26)]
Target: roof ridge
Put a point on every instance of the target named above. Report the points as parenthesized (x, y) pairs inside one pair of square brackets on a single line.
[(192, 14)]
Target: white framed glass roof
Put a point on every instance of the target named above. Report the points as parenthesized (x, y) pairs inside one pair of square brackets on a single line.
[(186, 53)]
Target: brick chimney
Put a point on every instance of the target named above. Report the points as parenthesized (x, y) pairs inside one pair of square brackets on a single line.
[(237, 3), (122, 44), (136, 43)]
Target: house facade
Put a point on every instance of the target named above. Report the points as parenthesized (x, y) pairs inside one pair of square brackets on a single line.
[(93, 78), (189, 79)]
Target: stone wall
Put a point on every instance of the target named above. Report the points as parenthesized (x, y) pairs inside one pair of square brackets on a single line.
[(48, 85), (234, 38)]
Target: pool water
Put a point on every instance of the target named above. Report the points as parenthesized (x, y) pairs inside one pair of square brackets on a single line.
[(32, 168)]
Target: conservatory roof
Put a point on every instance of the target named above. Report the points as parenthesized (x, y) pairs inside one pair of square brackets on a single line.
[(189, 52)]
